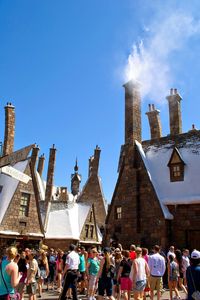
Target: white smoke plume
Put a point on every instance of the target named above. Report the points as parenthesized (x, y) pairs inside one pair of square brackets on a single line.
[(149, 62)]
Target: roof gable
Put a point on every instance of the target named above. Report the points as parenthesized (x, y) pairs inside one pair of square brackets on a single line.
[(175, 158)]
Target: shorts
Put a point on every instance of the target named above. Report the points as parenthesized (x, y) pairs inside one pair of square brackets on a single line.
[(156, 283), (20, 288), (92, 282), (125, 283), (43, 274), (140, 285), (31, 288), (105, 284)]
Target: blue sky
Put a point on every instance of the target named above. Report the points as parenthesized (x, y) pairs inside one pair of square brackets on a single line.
[(63, 64)]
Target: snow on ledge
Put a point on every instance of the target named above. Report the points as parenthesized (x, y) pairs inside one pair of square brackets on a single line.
[(9, 232)]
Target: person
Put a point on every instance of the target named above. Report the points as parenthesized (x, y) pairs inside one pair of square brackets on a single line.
[(31, 275), (9, 276), (193, 274), (173, 274), (71, 271), (145, 255), (59, 270), (179, 260), (22, 265), (116, 284), (123, 275), (171, 252), (140, 271), (105, 274), (93, 266), (52, 268), (82, 269), (157, 269), (186, 263), (44, 270), (132, 252)]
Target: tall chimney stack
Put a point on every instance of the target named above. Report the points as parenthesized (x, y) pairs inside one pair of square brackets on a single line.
[(132, 113), (94, 162), (175, 118), (50, 174), (154, 122), (9, 129), (40, 167), (34, 156)]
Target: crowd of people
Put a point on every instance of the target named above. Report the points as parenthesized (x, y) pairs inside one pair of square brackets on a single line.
[(111, 272)]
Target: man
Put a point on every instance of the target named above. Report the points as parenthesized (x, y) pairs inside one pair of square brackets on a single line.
[(193, 274), (132, 252), (171, 252), (157, 269), (31, 273), (185, 264), (71, 271)]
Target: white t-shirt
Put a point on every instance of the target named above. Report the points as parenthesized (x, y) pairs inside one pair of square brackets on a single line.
[(73, 260)]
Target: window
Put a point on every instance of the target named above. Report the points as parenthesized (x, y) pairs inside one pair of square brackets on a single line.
[(86, 230), (176, 166), (118, 212), (91, 231), (24, 205), (91, 216)]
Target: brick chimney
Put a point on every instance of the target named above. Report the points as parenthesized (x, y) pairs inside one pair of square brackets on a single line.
[(154, 122), (40, 167), (94, 162), (175, 119), (132, 112), (50, 174), (34, 156), (9, 129)]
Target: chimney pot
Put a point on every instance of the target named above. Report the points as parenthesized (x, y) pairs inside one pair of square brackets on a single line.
[(175, 91), (171, 91), (153, 106)]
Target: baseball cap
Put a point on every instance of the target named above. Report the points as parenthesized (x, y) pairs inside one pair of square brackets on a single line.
[(195, 254)]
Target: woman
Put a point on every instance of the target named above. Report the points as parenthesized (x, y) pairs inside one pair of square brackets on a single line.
[(179, 260), (44, 270), (92, 270), (116, 285), (193, 274), (105, 275), (9, 276), (123, 275), (22, 265), (173, 275), (140, 271), (145, 255), (59, 270)]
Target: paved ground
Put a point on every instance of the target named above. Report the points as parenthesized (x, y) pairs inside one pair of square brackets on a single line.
[(53, 295)]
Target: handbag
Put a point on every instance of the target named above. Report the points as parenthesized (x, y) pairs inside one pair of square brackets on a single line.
[(196, 293), (15, 296)]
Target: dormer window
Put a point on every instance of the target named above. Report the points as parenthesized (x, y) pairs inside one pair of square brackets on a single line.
[(176, 166)]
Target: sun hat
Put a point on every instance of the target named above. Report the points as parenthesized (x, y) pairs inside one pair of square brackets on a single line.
[(195, 254)]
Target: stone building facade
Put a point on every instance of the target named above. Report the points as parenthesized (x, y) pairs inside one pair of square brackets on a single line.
[(157, 196), (29, 208)]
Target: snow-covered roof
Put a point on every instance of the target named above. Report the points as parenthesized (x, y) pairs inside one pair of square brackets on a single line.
[(67, 223), (156, 158), (9, 186)]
